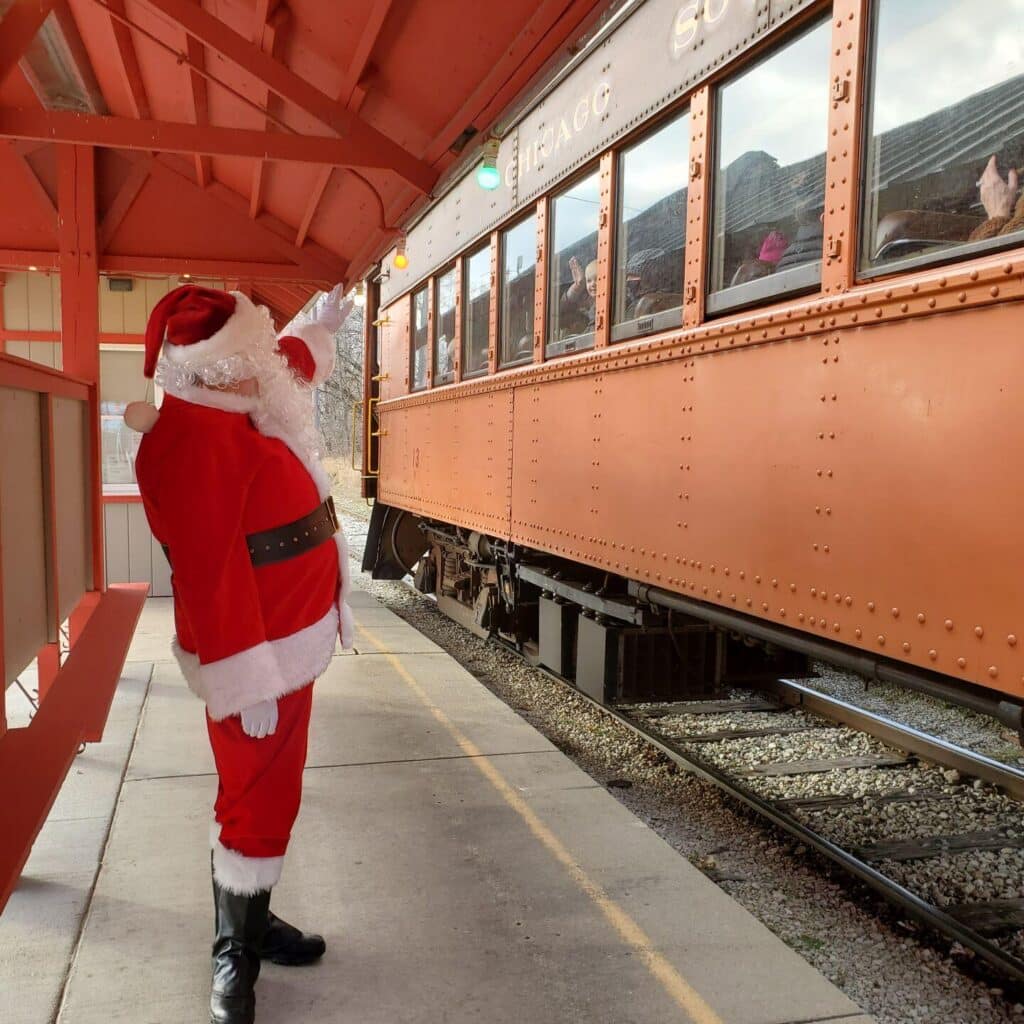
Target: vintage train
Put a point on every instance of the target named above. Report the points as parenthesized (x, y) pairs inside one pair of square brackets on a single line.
[(726, 367)]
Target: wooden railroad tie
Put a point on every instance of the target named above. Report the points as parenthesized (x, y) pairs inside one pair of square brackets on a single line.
[(826, 765), (935, 846)]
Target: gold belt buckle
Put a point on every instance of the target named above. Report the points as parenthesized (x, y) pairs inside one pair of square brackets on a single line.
[(332, 513)]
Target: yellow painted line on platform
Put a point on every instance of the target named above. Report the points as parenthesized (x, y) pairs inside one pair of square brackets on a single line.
[(677, 987)]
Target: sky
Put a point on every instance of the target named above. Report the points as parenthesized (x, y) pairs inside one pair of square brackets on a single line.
[(933, 53)]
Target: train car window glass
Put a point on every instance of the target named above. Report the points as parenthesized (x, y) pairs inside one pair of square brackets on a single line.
[(444, 327), (518, 273), (769, 184), (418, 374), (476, 309), (944, 140), (572, 288), (650, 237)]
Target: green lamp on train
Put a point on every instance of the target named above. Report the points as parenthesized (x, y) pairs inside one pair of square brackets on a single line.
[(488, 176)]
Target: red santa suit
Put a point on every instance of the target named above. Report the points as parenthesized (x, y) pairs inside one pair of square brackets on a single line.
[(219, 478)]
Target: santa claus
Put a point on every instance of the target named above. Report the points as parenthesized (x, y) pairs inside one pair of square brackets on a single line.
[(234, 491)]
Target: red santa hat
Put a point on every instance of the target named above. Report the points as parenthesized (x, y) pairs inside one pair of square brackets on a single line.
[(202, 325)]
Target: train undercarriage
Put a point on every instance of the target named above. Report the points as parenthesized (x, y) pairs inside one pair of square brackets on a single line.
[(615, 639)]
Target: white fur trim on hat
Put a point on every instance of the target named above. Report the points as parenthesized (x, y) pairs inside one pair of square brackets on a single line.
[(237, 335), (244, 876), (265, 671), (320, 343)]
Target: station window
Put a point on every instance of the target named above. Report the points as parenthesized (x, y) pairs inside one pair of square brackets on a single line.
[(420, 333), (944, 145), (769, 185), (476, 305), (444, 328), (651, 233), (518, 273), (121, 382), (572, 287)]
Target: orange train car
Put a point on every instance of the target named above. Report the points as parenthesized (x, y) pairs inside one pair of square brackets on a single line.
[(732, 350)]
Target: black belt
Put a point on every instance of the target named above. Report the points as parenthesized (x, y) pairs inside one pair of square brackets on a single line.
[(292, 539)]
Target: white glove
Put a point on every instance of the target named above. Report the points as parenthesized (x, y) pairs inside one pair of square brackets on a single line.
[(260, 720), (334, 310)]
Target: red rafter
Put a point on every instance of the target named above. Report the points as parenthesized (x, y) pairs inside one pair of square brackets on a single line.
[(200, 103), (271, 23), (129, 61), (126, 196), (178, 137), (214, 34), (314, 263), (18, 28)]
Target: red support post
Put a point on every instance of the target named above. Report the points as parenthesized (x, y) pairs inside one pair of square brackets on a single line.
[(80, 315)]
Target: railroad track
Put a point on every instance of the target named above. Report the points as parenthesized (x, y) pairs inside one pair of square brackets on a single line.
[(859, 773), (841, 780)]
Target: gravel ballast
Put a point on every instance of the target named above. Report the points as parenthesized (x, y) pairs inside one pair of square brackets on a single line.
[(885, 964)]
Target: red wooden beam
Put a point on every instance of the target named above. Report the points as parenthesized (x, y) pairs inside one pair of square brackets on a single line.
[(364, 48), (80, 310), (75, 709), (217, 36), (206, 268), (177, 137), (269, 35), (16, 335), (313, 202), (130, 70), (18, 27), (313, 262), (28, 376), (126, 196), (45, 201), (28, 259), (200, 103)]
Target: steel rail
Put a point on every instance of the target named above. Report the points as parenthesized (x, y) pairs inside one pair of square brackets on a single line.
[(905, 737), (927, 913)]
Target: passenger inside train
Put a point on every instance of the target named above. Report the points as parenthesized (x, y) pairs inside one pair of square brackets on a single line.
[(945, 142)]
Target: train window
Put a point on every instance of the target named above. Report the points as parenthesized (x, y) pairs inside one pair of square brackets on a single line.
[(572, 288), (419, 339), (518, 271), (944, 143), (651, 234), (476, 306), (769, 185), (444, 328)]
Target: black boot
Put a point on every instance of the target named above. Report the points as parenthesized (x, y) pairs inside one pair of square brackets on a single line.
[(285, 944), (240, 924)]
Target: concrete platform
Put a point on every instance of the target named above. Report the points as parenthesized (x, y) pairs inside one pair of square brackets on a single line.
[(461, 868)]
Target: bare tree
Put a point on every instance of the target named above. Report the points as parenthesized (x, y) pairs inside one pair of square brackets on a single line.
[(334, 399)]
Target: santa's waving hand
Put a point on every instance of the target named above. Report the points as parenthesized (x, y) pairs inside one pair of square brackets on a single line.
[(234, 491)]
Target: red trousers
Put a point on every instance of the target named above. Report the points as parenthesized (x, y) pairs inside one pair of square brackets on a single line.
[(260, 784)]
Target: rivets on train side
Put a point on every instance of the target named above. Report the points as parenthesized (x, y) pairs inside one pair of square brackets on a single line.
[(1012, 640), (993, 671), (979, 631), (962, 662), (948, 624)]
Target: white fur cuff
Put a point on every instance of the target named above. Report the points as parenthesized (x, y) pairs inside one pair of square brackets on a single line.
[(244, 876), (265, 671)]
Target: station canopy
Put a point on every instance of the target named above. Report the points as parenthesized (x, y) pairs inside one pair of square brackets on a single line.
[(279, 143)]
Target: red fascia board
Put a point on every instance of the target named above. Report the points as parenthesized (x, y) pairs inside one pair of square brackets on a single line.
[(75, 709)]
